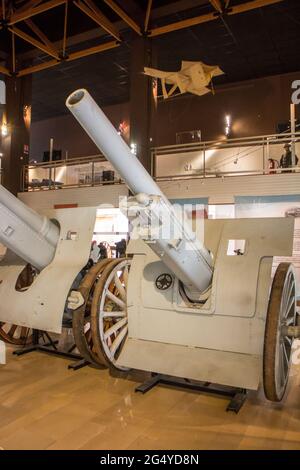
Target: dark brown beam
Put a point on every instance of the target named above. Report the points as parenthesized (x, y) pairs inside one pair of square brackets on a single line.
[(252, 5), (121, 13), (28, 5), (96, 33), (34, 42), (38, 68), (41, 36), (13, 47), (107, 25), (93, 12), (93, 50), (2, 9), (17, 17), (217, 5), (4, 70), (73, 56), (64, 42), (148, 13), (182, 24), (18, 98)]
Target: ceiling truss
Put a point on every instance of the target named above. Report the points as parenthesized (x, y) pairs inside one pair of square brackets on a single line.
[(26, 13)]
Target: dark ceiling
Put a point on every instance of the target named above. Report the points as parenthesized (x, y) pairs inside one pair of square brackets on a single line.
[(264, 41)]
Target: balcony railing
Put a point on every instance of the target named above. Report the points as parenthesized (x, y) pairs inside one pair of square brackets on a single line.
[(74, 172), (259, 155)]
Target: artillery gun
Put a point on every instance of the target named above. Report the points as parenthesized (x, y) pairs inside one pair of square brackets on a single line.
[(178, 305)]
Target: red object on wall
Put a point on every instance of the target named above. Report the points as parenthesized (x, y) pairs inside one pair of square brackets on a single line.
[(65, 206)]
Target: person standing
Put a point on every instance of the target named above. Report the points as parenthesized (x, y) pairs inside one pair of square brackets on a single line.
[(286, 158)]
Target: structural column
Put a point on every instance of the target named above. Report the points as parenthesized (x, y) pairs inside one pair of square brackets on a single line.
[(142, 103), (15, 145)]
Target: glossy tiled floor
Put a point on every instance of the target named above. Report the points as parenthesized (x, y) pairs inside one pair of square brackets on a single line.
[(45, 406)]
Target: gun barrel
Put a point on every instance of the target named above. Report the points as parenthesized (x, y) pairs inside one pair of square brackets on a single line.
[(189, 260), (28, 234)]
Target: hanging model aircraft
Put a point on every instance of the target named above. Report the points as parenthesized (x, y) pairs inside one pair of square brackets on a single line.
[(193, 77)]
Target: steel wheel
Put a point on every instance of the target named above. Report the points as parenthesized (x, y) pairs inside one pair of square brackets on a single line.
[(109, 312), (278, 345), (14, 334), (81, 321)]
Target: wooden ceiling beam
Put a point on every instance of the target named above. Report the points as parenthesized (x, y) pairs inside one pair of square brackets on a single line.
[(182, 24), (96, 33), (17, 17), (217, 5), (65, 36), (3, 10), (107, 25), (13, 49), (28, 5), (34, 42), (121, 13), (248, 6), (41, 36), (93, 12), (148, 13), (93, 50), (73, 56), (244, 7), (38, 68), (4, 70)]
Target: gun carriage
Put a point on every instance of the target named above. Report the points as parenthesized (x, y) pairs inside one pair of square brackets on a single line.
[(179, 305)]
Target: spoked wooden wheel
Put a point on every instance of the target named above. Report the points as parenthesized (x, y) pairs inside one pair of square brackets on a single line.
[(14, 334), (281, 318), (81, 321), (109, 312)]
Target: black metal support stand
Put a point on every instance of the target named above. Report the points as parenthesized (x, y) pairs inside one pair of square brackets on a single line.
[(48, 347), (237, 395), (78, 364)]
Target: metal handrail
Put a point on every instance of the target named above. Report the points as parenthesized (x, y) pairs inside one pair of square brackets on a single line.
[(281, 137), (68, 161), (207, 174), (263, 141)]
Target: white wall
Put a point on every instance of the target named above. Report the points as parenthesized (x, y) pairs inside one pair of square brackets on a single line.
[(219, 190), (223, 190), (83, 197)]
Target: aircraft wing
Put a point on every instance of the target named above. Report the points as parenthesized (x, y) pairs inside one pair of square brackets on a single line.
[(155, 73), (213, 70)]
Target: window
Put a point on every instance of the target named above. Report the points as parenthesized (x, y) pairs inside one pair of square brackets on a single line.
[(236, 247)]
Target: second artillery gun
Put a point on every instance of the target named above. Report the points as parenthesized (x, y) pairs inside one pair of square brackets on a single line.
[(179, 305)]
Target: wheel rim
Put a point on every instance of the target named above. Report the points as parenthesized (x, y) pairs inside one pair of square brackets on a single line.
[(278, 345), (14, 334), (109, 312), (287, 318), (81, 322)]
